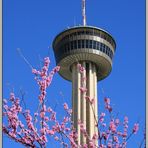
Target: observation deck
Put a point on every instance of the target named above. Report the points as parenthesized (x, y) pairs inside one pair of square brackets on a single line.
[(84, 43)]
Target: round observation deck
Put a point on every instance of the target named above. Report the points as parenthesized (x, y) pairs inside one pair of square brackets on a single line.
[(84, 43)]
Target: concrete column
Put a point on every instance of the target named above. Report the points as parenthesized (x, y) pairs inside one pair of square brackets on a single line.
[(76, 96), (83, 102), (81, 108), (90, 93), (96, 101)]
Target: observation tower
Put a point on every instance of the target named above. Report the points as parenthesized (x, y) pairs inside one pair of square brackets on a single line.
[(94, 49)]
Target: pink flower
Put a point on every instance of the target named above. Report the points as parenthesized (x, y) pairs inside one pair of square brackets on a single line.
[(80, 68), (4, 101), (107, 100), (135, 128), (117, 121), (35, 114), (44, 138), (56, 138), (56, 69), (126, 119), (92, 101), (85, 146), (83, 89), (49, 109), (46, 61), (95, 136), (34, 71), (65, 106), (115, 138), (50, 132), (42, 114), (112, 126), (102, 114), (124, 134), (12, 96), (91, 144), (119, 133), (104, 135)]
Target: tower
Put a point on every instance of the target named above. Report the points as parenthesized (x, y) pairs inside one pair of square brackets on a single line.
[(94, 49)]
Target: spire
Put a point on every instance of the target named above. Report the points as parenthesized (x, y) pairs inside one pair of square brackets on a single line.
[(83, 12)]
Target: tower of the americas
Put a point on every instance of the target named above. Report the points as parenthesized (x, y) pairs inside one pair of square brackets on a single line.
[(93, 48)]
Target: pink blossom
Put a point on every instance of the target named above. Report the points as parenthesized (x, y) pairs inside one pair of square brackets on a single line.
[(117, 121), (65, 106), (56, 69), (102, 114), (112, 126), (50, 132), (12, 96), (119, 133), (107, 100), (95, 136), (56, 138), (46, 61), (44, 138), (135, 128), (35, 114), (4, 101), (91, 144), (34, 71), (115, 138), (124, 134), (80, 68), (104, 135), (126, 119), (83, 89), (85, 146), (42, 114), (49, 109)]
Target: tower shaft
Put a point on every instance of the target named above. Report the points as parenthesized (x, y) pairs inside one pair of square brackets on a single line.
[(83, 109)]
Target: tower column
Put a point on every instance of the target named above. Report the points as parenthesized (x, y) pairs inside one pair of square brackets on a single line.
[(83, 109), (76, 99)]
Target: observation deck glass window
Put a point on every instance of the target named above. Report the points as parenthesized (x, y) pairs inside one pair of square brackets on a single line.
[(90, 43), (72, 45), (82, 43), (75, 44), (101, 46), (68, 46), (94, 44), (79, 43), (86, 44), (87, 32), (98, 46)]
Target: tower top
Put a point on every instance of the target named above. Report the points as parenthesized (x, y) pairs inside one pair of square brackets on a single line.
[(84, 12)]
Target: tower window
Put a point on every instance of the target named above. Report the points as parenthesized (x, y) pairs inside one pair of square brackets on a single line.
[(75, 44), (82, 43), (72, 45), (90, 43), (86, 44), (79, 43), (94, 44)]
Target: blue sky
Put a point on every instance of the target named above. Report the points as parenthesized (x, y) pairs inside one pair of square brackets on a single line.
[(32, 26)]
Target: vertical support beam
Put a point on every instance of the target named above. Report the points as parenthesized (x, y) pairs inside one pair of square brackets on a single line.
[(82, 109), (76, 96), (91, 95), (96, 102), (83, 102)]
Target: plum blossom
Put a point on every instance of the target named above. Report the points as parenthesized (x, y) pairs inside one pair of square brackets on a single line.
[(135, 128), (34, 130)]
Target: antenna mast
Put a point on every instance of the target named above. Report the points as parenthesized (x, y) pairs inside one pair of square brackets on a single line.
[(83, 13)]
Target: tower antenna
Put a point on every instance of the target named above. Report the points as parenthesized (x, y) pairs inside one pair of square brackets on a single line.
[(83, 12)]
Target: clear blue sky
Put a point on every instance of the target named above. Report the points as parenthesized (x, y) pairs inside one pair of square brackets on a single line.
[(31, 25)]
